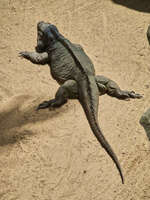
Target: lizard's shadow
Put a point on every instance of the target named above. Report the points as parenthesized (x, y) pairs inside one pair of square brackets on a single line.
[(139, 5), (18, 112)]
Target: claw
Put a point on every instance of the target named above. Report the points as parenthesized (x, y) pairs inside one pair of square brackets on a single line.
[(23, 54), (135, 95), (139, 96), (45, 104)]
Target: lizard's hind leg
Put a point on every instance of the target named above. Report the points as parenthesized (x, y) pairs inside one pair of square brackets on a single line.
[(66, 91), (107, 86)]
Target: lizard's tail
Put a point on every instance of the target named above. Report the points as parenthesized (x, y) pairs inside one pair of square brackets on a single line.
[(88, 100), (88, 96)]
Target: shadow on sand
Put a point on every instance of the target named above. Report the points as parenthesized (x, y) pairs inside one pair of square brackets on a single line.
[(139, 5), (15, 114)]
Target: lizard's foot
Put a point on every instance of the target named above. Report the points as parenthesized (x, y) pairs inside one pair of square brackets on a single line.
[(53, 103), (46, 104), (134, 95), (23, 54), (126, 95)]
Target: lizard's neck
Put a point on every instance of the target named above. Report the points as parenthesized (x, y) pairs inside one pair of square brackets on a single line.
[(52, 46)]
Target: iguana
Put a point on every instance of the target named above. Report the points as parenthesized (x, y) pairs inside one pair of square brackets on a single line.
[(74, 71)]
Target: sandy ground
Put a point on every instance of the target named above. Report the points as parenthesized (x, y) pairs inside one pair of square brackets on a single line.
[(53, 155)]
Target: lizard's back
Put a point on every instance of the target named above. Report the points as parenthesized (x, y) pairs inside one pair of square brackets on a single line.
[(63, 66)]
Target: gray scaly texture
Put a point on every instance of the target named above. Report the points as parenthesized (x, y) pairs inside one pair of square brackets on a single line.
[(74, 71)]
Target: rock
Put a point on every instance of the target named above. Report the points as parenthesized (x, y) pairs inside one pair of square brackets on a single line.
[(145, 122), (148, 34)]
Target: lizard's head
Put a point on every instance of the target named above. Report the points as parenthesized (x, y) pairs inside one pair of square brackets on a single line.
[(45, 36)]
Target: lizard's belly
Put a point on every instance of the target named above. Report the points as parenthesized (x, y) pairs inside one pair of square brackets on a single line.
[(62, 65)]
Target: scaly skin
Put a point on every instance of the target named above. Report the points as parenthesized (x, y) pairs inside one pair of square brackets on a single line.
[(74, 71)]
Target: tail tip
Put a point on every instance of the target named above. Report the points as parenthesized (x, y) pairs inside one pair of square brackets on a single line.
[(122, 179)]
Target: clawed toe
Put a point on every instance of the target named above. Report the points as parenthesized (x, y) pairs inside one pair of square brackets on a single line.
[(23, 54), (45, 104), (138, 96), (135, 96), (127, 95)]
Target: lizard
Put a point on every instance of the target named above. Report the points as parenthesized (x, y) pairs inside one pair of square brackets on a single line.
[(74, 71)]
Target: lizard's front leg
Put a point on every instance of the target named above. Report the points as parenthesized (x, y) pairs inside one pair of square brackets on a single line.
[(66, 91), (107, 86), (34, 57)]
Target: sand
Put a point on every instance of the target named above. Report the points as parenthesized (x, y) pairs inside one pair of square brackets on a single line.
[(53, 155)]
